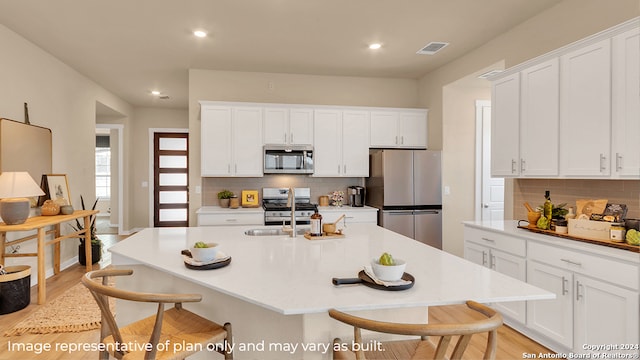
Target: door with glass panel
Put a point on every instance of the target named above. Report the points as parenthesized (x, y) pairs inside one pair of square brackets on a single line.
[(171, 179)]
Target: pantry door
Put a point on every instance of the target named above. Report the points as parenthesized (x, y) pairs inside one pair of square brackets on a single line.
[(171, 179)]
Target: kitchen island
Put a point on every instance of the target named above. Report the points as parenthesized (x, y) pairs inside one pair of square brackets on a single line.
[(277, 289)]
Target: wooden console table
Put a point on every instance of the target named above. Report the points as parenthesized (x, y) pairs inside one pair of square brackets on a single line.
[(40, 223)]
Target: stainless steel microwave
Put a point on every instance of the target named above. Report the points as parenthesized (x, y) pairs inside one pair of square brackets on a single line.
[(288, 159)]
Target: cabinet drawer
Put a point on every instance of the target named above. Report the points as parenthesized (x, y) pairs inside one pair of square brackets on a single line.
[(506, 243), (353, 216), (230, 219), (597, 266)]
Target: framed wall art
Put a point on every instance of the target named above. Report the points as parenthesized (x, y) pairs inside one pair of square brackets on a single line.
[(250, 198), (56, 187)]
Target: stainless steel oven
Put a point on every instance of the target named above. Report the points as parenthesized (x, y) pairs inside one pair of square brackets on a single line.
[(277, 211), (285, 159)]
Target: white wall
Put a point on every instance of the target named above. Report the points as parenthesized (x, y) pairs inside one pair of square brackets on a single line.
[(63, 100)]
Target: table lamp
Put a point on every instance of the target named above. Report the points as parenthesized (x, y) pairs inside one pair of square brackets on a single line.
[(15, 187)]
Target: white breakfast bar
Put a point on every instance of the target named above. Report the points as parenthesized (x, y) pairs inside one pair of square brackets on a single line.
[(277, 289)]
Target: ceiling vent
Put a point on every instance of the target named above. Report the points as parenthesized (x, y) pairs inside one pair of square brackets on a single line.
[(432, 48), (489, 74)]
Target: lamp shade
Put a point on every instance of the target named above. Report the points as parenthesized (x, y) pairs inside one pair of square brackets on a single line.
[(15, 187), (18, 184)]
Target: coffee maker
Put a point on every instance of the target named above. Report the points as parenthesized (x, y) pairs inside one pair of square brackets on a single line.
[(356, 196)]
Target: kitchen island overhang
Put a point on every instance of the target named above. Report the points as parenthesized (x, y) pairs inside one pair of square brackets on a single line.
[(288, 280)]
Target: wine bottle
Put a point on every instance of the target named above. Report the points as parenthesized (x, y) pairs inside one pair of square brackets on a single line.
[(548, 206)]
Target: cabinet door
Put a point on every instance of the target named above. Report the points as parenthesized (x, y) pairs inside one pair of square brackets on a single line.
[(301, 126), (604, 314), (413, 130), (585, 111), (505, 126), (276, 121), (539, 120), (247, 141), (554, 318), (384, 129), (215, 130), (327, 134), (515, 267), (355, 143), (626, 104), (476, 253)]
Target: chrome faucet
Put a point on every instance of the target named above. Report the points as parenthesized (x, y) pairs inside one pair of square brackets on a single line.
[(291, 202)]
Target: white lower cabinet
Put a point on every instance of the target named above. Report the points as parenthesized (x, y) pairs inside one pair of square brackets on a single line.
[(502, 254), (586, 310), (597, 288)]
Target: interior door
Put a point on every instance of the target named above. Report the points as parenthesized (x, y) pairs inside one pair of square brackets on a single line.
[(492, 189), (171, 179)]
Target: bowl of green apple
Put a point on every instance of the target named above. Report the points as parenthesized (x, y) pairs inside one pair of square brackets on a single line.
[(386, 268), (204, 252)]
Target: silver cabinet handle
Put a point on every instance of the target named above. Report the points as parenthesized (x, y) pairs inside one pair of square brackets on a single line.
[(565, 282), (487, 239), (523, 164), (618, 161), (513, 166), (401, 140), (396, 140), (493, 262), (486, 206), (345, 169), (484, 258), (578, 286), (571, 262), (603, 165), (338, 169), (231, 220)]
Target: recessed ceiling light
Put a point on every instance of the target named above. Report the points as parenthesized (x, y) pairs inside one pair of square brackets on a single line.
[(200, 33), (155, 92), (375, 46)]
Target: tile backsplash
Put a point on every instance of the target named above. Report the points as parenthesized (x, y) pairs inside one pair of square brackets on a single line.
[(319, 186), (569, 190)]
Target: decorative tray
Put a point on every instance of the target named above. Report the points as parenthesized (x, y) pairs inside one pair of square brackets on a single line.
[(209, 266), (609, 243), (324, 236), (363, 278)]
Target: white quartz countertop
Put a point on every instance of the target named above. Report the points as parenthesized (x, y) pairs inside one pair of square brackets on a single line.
[(293, 275), (510, 227)]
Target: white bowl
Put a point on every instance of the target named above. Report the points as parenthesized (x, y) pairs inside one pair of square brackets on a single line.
[(204, 254), (388, 272)]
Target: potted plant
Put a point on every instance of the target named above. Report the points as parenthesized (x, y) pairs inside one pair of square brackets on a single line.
[(224, 197), (96, 243)]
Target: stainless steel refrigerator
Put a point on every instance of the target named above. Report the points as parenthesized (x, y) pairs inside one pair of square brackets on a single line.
[(405, 185)]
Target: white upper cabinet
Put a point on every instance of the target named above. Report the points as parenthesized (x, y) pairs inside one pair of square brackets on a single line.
[(231, 141), (505, 126), (585, 111), (571, 113), (341, 143), (539, 121), (399, 129), (626, 104), (288, 126)]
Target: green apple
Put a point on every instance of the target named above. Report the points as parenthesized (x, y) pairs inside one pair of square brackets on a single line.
[(386, 259), (200, 244)]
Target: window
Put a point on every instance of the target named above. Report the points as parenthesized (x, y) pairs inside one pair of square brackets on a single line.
[(103, 166)]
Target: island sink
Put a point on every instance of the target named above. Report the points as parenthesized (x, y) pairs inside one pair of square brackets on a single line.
[(273, 232)]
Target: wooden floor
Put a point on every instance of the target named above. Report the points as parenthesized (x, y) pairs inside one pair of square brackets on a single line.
[(511, 344)]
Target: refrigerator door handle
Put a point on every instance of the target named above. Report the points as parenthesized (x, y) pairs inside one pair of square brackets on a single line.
[(399, 212), (435, 212)]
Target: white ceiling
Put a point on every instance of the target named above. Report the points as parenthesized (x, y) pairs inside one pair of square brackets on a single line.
[(133, 46)]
